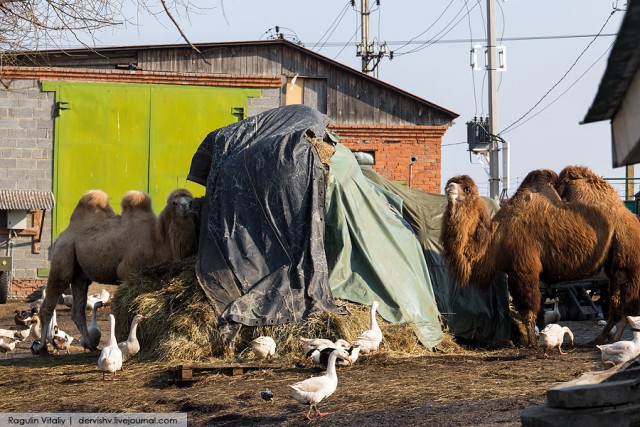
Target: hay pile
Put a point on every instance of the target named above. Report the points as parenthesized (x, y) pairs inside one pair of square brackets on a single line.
[(181, 325)]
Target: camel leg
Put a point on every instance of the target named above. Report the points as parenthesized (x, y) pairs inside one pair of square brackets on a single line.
[(54, 289), (79, 288), (530, 318), (620, 330), (524, 287), (631, 305), (615, 311)]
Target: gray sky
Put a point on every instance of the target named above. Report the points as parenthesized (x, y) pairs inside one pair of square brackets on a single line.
[(439, 71)]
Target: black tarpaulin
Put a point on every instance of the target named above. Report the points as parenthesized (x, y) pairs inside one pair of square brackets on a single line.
[(261, 258)]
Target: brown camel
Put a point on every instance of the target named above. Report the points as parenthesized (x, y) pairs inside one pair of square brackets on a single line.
[(100, 246), (579, 185), (535, 236)]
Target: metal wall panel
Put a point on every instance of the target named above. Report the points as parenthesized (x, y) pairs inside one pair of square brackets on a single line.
[(181, 117), (101, 142), (121, 137)]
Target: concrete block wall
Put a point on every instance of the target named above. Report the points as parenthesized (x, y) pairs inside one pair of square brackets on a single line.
[(269, 99), (26, 163)]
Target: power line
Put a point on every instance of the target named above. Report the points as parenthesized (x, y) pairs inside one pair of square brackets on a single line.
[(434, 39), (333, 25), (563, 77), (565, 91), (429, 27), (440, 41)]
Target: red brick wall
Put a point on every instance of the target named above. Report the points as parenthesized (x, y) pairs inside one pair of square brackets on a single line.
[(25, 288), (393, 147)]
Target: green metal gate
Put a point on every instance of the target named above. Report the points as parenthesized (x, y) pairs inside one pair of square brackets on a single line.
[(121, 137)]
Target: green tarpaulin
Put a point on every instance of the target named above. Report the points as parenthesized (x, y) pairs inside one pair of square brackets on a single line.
[(373, 253)]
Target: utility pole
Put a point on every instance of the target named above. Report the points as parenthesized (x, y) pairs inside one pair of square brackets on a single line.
[(494, 153), (364, 16), (371, 53)]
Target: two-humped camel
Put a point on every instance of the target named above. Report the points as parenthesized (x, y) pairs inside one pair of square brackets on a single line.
[(101, 246)]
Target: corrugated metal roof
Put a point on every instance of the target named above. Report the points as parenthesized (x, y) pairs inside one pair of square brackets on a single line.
[(16, 200), (622, 66)]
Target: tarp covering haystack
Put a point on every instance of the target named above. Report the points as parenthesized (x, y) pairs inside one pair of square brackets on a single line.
[(295, 240), (263, 258)]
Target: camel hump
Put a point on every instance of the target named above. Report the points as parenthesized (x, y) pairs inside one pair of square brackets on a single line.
[(135, 200), (92, 202)]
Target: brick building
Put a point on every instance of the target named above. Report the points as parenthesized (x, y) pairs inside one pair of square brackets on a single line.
[(79, 119)]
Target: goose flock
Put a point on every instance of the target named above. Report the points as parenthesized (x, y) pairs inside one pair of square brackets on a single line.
[(328, 354), (112, 356)]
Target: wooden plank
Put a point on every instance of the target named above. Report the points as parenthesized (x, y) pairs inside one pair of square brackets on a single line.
[(543, 415), (191, 373)]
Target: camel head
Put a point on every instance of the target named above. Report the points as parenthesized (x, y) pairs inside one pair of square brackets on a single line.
[(581, 183), (460, 188), (569, 177), (539, 178), (180, 201), (540, 181)]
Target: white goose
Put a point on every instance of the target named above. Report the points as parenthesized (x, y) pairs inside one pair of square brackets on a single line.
[(622, 351), (53, 322), (7, 344), (310, 344), (92, 299), (131, 346), (263, 347), (370, 340), (13, 332), (552, 336), (110, 359), (93, 330), (313, 390), (320, 356)]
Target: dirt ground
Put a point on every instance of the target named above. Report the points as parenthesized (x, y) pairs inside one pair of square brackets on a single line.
[(472, 387)]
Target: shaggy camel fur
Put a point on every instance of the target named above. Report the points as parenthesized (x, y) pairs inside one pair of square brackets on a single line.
[(579, 185), (535, 236), (100, 246)]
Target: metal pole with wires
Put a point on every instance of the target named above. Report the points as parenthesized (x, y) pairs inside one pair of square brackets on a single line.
[(494, 154)]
